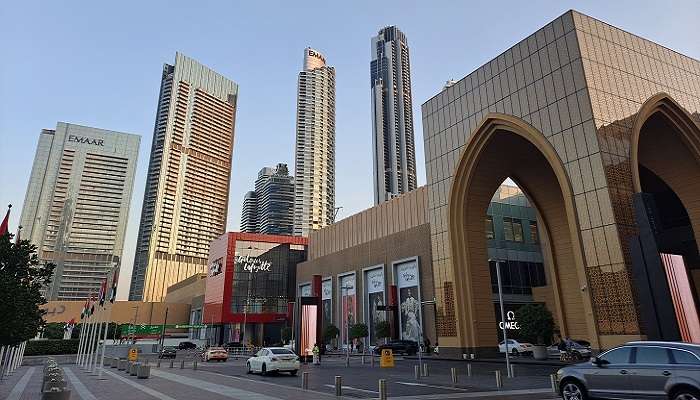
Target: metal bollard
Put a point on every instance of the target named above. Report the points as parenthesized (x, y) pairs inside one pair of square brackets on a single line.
[(171, 363), (194, 365), (512, 371), (454, 375), (363, 359), (371, 359), (182, 364), (469, 370), (553, 382), (416, 372), (305, 380), (499, 380), (382, 389), (338, 385), (425, 369), (158, 363)]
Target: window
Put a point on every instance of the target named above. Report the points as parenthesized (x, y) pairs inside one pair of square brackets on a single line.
[(517, 231), (489, 228), (508, 229), (684, 357), (652, 355), (620, 355), (534, 236), (512, 229)]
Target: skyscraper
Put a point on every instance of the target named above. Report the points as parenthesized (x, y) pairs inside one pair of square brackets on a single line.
[(314, 158), (270, 208), (77, 205), (186, 198), (392, 115)]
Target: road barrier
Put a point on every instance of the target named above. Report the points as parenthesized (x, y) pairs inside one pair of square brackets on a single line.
[(53, 386), (382, 389), (499, 380), (453, 371), (158, 363), (134, 368), (469, 370), (305, 380), (416, 372), (338, 385)]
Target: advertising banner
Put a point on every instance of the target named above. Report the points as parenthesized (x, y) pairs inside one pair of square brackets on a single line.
[(305, 290), (347, 304), (408, 284), (327, 302), (374, 288)]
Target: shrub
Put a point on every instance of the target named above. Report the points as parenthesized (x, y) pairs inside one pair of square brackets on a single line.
[(358, 331), (331, 332), (536, 323), (51, 347), (382, 329)]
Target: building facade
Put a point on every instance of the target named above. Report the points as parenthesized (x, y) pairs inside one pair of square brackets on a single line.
[(392, 115), (77, 205), (187, 187), (314, 157), (584, 117), (250, 286), (270, 208)]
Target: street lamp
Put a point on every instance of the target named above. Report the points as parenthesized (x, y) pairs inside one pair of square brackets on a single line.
[(503, 314), (347, 326)]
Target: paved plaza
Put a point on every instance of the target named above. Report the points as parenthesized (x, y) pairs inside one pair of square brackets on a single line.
[(218, 381)]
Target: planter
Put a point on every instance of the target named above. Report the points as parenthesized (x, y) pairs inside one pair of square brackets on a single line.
[(539, 352)]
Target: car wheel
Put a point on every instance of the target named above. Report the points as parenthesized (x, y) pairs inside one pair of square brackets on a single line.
[(263, 370), (249, 371), (686, 394), (573, 390), (293, 373)]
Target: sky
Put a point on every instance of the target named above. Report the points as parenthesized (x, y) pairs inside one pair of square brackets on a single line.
[(99, 64)]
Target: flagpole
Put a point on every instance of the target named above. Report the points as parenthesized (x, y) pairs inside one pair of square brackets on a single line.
[(91, 338), (83, 336), (104, 340), (96, 342), (80, 340), (88, 329)]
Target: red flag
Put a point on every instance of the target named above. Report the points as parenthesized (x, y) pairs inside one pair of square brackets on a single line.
[(5, 225), (103, 292)]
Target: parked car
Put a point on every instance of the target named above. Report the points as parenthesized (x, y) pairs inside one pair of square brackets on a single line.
[(186, 346), (273, 359), (578, 351), (515, 347), (636, 370), (215, 353), (168, 352), (408, 347)]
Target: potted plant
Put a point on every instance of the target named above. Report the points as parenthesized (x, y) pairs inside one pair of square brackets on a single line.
[(330, 333), (358, 331), (382, 330), (536, 326)]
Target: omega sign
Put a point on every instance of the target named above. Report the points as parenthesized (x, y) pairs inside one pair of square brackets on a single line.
[(253, 264), (511, 323), (86, 140)]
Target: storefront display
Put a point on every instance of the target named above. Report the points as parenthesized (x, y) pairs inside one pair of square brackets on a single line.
[(348, 312), (374, 300), (327, 302), (408, 284)]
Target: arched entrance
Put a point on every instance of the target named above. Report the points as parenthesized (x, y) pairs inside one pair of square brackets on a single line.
[(505, 146), (666, 178)]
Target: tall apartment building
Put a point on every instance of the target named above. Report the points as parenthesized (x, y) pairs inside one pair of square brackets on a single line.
[(392, 116), (77, 205), (270, 208), (314, 158), (186, 198)]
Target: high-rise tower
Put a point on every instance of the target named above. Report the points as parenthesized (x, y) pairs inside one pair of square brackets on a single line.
[(186, 198), (77, 205), (270, 208), (314, 175), (392, 115)]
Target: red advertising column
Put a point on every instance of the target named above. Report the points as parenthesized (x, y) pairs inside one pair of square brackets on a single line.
[(316, 292), (394, 307)]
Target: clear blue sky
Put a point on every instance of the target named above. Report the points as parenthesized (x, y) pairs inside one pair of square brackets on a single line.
[(99, 64)]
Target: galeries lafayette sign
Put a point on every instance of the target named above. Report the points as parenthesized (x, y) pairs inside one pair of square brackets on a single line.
[(253, 264)]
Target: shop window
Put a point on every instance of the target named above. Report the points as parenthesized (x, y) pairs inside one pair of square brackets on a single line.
[(534, 236), (489, 228), (508, 228), (512, 229)]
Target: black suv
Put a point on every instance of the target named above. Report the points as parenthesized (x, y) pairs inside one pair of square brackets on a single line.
[(186, 346), (168, 352), (408, 347)]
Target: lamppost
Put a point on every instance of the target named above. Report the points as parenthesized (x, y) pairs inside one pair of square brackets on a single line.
[(347, 325), (420, 332), (503, 314)]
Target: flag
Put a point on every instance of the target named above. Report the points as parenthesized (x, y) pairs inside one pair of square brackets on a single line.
[(5, 225), (103, 292), (92, 304), (83, 313), (113, 292)]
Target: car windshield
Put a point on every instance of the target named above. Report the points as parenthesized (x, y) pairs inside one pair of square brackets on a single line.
[(280, 351)]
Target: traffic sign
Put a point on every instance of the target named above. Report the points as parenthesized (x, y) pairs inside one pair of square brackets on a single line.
[(133, 354), (387, 359)]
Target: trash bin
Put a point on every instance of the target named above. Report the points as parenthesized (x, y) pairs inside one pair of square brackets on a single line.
[(143, 371)]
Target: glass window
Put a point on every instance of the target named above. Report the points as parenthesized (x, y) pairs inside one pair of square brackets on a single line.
[(534, 237), (652, 355), (684, 357), (489, 228), (620, 355), (517, 231), (280, 351), (508, 228)]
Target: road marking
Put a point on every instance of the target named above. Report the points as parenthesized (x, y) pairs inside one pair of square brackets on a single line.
[(494, 393), (223, 390), (17, 391), (353, 388), (431, 386), (83, 392), (140, 387)]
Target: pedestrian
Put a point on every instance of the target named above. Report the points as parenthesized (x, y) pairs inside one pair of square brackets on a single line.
[(562, 346), (317, 354)]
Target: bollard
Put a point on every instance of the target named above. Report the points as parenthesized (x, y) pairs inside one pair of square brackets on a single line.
[(371, 359), (469, 370), (158, 363), (553, 382), (305, 380), (499, 380), (454, 375), (363, 359), (182, 364), (146, 361), (382, 389), (171, 363), (194, 365), (425, 369), (338, 385), (416, 372), (512, 371)]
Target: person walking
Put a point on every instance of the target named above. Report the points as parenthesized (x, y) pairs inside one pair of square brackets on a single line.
[(317, 354)]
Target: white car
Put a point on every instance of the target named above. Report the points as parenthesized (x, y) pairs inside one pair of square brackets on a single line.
[(516, 348), (273, 359)]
